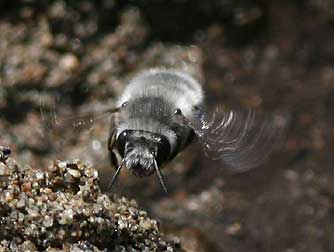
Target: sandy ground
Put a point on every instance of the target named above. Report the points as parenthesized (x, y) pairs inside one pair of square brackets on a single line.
[(69, 57)]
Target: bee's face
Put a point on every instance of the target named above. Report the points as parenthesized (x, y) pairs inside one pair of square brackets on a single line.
[(140, 162), (142, 151)]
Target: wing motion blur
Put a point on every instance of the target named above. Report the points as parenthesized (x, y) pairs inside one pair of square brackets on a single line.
[(242, 139), (57, 121), (61, 127)]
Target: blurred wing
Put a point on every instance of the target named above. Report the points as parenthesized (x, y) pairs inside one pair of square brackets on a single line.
[(57, 122), (68, 133), (242, 139), (61, 130)]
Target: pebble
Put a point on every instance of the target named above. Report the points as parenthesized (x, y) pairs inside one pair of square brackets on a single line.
[(3, 170), (8, 197), (28, 246), (20, 203), (234, 229), (11, 164), (90, 172), (39, 175), (122, 224), (52, 196), (62, 165), (146, 224), (74, 173), (69, 62), (48, 221), (26, 187)]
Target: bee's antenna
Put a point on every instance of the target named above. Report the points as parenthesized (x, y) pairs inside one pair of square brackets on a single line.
[(115, 175), (161, 178)]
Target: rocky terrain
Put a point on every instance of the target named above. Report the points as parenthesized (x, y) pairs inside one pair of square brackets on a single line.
[(61, 208), (60, 58)]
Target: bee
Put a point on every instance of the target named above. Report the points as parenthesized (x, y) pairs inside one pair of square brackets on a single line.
[(162, 111)]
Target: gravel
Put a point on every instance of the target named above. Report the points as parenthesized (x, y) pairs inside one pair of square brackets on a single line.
[(62, 208)]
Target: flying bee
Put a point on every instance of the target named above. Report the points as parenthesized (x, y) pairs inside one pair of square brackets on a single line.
[(149, 130), (161, 112)]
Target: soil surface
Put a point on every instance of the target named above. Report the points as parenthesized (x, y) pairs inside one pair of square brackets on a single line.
[(60, 58)]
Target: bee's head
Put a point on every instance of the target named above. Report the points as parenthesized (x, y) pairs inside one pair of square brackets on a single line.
[(143, 152), (140, 161)]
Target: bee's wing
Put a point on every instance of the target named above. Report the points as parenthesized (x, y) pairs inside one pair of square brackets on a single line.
[(60, 128), (58, 121), (242, 139), (77, 121)]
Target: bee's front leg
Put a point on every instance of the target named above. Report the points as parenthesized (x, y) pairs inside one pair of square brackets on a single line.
[(112, 152)]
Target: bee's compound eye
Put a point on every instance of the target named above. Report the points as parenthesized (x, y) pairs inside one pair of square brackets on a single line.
[(124, 104), (177, 111)]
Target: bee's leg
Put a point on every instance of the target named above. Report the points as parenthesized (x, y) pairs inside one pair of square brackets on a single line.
[(114, 158), (111, 145), (112, 140), (115, 161)]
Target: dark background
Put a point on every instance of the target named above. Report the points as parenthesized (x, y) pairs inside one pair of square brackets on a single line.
[(67, 57)]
